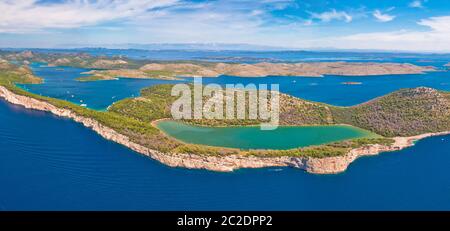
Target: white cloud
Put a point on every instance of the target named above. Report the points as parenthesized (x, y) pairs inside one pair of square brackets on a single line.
[(164, 19), (438, 24), (332, 15), (23, 16), (383, 17), (434, 39), (204, 26), (257, 12), (222, 21), (416, 4)]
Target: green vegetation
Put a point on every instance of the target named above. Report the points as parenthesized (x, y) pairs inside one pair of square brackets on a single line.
[(322, 151), (97, 75), (10, 74), (82, 60), (161, 74), (93, 78), (155, 103), (406, 112)]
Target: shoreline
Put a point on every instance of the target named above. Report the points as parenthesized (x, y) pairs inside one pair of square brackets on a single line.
[(228, 163), (155, 122)]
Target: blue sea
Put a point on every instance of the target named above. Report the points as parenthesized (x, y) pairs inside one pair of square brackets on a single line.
[(52, 163)]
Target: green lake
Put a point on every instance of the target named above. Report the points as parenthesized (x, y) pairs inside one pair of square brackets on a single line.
[(251, 137)]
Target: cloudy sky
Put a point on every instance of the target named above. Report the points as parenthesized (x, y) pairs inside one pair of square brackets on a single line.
[(414, 25)]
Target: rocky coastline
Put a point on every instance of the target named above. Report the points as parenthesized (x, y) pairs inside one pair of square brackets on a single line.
[(228, 163)]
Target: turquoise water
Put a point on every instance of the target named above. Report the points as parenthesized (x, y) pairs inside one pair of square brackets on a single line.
[(255, 138), (52, 163)]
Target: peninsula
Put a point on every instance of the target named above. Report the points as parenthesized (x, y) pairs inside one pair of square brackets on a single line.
[(401, 118)]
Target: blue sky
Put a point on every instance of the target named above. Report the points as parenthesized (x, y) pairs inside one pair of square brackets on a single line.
[(414, 25)]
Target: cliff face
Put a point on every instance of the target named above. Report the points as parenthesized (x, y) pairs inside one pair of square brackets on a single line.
[(217, 163)]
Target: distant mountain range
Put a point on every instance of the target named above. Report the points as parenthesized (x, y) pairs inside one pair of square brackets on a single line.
[(212, 47), (226, 47), (183, 46)]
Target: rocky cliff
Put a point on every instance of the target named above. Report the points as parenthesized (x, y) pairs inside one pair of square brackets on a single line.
[(217, 163)]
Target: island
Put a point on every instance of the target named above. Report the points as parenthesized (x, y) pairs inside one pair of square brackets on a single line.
[(399, 118), (317, 69), (96, 75), (111, 68)]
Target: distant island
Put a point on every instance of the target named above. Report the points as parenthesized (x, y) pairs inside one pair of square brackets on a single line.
[(110, 68), (317, 69)]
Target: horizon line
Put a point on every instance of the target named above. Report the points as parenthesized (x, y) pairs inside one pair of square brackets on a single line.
[(273, 49)]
